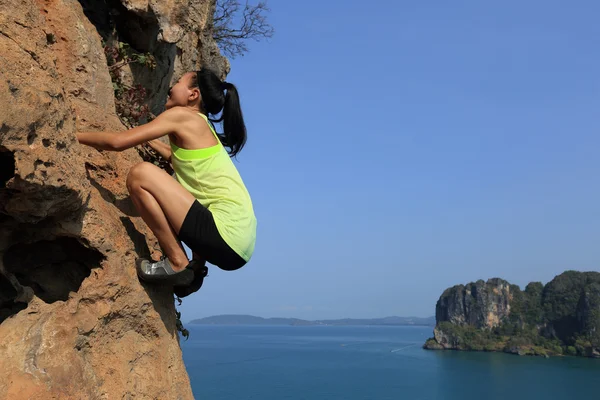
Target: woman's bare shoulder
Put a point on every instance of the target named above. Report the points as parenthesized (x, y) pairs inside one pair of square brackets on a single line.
[(190, 128)]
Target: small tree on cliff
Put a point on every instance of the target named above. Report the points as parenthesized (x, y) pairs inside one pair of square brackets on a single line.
[(231, 30)]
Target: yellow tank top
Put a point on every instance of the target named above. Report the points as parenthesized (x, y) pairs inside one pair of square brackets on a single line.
[(212, 178)]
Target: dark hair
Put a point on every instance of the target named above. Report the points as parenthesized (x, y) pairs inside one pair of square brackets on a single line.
[(214, 100)]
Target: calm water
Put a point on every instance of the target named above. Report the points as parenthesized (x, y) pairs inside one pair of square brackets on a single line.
[(274, 362)]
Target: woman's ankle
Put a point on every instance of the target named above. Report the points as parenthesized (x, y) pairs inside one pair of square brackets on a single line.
[(179, 264)]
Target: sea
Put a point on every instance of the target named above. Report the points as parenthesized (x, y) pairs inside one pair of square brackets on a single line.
[(368, 362)]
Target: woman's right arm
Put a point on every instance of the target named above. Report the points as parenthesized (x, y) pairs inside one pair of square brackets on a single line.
[(161, 148)]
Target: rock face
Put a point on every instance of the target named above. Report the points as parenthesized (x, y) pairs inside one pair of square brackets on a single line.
[(75, 322), (562, 317), (480, 304)]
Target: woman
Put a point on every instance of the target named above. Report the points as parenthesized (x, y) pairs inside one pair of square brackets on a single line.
[(208, 207)]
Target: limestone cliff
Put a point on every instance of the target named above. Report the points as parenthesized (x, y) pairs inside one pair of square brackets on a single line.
[(480, 304), (75, 322), (562, 317)]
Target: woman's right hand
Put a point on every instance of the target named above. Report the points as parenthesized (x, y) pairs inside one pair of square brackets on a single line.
[(161, 148)]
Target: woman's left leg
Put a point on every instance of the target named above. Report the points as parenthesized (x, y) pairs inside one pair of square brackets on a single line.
[(163, 204)]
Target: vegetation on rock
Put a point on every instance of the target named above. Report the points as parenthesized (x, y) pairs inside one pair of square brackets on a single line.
[(131, 102)]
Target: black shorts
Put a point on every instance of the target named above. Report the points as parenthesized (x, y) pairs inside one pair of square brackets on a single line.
[(199, 232)]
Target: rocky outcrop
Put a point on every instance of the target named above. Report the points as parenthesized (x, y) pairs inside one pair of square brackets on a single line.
[(562, 317), (75, 322)]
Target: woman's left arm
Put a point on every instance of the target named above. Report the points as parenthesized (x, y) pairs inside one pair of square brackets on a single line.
[(162, 125)]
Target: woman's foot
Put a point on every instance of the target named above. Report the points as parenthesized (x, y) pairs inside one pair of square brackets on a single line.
[(200, 272), (162, 272)]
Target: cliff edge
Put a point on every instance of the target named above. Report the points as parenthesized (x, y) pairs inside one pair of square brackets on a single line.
[(75, 321)]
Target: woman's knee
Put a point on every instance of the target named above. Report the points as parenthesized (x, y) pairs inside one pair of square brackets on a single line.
[(137, 174)]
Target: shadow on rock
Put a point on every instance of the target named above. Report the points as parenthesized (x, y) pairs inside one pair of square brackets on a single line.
[(124, 205), (52, 268)]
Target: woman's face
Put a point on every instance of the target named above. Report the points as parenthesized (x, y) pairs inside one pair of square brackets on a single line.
[(181, 94)]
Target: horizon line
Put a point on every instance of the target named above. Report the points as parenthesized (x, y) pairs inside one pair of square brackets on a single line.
[(318, 319)]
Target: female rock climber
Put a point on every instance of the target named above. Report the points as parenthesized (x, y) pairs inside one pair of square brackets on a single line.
[(207, 206)]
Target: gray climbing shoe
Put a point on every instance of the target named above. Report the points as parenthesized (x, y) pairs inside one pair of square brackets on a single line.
[(162, 272)]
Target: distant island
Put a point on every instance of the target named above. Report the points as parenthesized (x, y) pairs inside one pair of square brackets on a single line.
[(252, 320), (560, 318)]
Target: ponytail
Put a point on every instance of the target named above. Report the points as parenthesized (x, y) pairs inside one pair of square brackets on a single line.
[(234, 128), (214, 100)]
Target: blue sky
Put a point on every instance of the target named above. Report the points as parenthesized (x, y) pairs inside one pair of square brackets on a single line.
[(398, 148)]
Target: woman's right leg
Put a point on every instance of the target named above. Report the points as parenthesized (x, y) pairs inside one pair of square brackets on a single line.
[(163, 204)]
